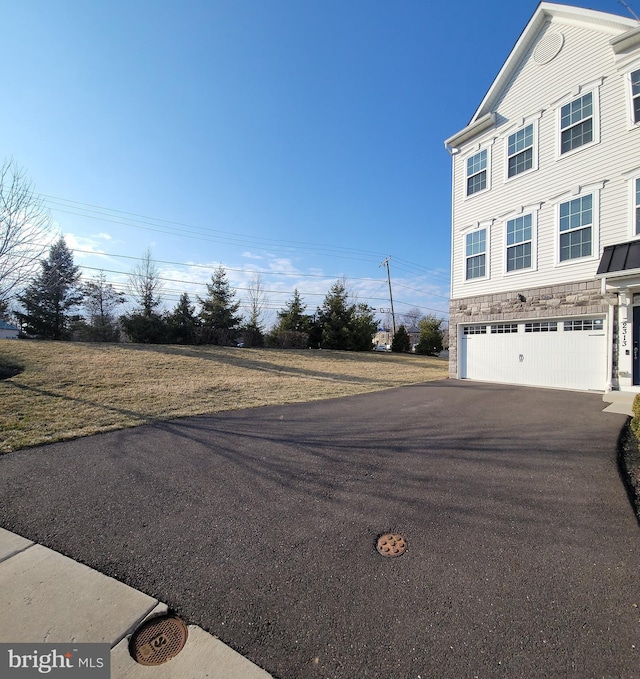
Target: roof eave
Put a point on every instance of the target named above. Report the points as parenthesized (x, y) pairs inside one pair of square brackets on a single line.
[(470, 131)]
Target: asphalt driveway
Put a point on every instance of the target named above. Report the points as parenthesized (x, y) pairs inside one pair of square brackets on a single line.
[(523, 552)]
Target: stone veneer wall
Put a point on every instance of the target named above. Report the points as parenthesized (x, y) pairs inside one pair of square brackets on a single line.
[(556, 301)]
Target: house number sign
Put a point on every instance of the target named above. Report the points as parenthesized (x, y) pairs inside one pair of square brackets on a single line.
[(624, 334)]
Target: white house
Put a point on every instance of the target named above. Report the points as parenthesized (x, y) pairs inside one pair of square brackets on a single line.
[(8, 331), (545, 264)]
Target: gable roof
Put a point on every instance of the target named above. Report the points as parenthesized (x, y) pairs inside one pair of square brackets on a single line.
[(623, 30), (607, 23)]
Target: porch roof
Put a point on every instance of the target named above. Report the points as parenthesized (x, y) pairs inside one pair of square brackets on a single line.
[(621, 258)]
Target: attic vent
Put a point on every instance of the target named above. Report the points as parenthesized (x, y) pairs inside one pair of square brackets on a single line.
[(548, 48)]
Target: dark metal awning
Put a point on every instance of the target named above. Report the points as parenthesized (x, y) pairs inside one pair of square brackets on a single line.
[(620, 258)]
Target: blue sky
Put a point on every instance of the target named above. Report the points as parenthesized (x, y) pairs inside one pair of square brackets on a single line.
[(302, 139)]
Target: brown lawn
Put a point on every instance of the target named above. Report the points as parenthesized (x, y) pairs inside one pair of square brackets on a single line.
[(67, 390)]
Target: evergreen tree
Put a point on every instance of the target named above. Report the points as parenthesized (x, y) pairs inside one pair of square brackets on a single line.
[(219, 311), (100, 302), (401, 341), (431, 335), (145, 329), (335, 318), (49, 299), (364, 326), (182, 322), (345, 326), (293, 316), (293, 327)]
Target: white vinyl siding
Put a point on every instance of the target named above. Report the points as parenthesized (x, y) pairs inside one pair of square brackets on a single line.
[(535, 94)]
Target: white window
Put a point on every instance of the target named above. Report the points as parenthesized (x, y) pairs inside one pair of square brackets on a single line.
[(541, 326), (576, 228), (504, 328), (477, 169), (577, 123), (474, 330), (583, 324), (635, 96), (476, 254), (520, 151), (519, 239)]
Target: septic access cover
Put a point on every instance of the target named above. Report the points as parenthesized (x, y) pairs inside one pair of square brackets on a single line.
[(158, 640), (391, 544)]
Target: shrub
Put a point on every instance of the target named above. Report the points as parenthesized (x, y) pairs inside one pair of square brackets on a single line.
[(635, 422)]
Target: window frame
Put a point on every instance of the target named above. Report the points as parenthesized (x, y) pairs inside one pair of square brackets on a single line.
[(541, 326), (633, 99), (583, 325), (487, 170), (532, 240), (533, 147), (594, 226), (595, 121), (467, 256)]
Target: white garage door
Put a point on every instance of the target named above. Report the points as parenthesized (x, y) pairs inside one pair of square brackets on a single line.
[(570, 353)]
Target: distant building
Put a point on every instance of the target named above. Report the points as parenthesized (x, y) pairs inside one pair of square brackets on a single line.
[(383, 337), (8, 331)]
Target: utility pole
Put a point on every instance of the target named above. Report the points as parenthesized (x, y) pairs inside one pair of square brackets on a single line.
[(393, 316)]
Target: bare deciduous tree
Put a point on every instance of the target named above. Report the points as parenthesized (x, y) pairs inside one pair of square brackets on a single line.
[(146, 284), (257, 301), (24, 228)]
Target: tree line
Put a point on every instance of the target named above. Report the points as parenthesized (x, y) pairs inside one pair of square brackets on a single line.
[(55, 303)]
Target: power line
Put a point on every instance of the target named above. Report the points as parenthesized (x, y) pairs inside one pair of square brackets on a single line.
[(227, 268), (167, 226), (127, 289)]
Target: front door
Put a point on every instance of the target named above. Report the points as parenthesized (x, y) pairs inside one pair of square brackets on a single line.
[(636, 344)]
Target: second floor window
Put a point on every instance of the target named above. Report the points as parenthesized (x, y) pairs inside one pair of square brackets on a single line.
[(477, 173), (576, 123), (520, 151), (576, 228), (476, 253), (635, 95), (519, 242)]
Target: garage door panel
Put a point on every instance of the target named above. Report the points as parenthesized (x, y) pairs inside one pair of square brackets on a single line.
[(566, 359)]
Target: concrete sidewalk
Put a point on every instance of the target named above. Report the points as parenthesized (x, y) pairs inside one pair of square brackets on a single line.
[(50, 598)]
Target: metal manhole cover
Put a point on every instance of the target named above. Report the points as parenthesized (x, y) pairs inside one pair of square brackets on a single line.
[(391, 544), (158, 640)]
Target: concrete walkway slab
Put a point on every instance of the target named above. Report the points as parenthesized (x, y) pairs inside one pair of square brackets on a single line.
[(11, 544), (203, 657), (48, 597)]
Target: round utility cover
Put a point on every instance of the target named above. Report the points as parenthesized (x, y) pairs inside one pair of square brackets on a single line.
[(158, 640), (391, 544)]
